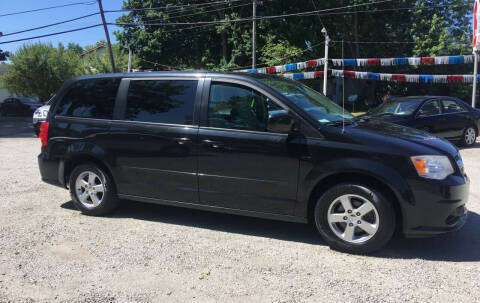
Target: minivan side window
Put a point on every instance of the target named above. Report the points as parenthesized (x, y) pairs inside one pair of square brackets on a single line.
[(161, 101), (92, 98), (235, 106)]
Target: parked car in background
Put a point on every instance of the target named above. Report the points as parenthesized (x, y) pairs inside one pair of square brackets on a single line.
[(446, 117), (249, 144), (40, 115), (18, 106)]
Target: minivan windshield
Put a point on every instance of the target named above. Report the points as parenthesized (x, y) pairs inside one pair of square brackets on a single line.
[(313, 103), (398, 107)]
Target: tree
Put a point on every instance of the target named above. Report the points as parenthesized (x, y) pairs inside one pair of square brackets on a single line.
[(96, 59), (4, 55), (75, 47), (274, 51), (40, 69), (444, 30)]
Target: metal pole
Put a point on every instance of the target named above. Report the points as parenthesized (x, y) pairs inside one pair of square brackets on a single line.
[(107, 35), (475, 72), (325, 65), (254, 32), (129, 60)]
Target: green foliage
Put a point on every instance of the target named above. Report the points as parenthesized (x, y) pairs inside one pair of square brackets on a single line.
[(435, 27), (40, 69), (4, 55), (75, 47), (444, 30), (98, 59), (275, 51)]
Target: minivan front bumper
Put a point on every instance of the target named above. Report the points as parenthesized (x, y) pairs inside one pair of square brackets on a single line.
[(440, 206)]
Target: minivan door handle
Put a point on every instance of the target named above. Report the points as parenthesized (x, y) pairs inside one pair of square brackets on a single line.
[(213, 144), (182, 140)]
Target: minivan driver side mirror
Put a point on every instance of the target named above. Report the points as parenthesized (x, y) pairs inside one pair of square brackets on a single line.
[(281, 122)]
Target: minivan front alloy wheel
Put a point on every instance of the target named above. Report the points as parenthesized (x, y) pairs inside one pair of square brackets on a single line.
[(355, 218)]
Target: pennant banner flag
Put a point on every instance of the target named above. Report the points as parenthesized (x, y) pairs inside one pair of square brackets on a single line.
[(363, 62), (409, 78)]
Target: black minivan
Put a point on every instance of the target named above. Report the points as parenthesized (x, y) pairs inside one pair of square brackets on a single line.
[(250, 144)]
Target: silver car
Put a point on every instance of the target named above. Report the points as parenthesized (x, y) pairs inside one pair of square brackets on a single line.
[(40, 115)]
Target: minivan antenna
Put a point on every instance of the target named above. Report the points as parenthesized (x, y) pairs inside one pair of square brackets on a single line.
[(343, 94)]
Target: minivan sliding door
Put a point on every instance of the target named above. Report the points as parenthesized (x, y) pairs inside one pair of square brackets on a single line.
[(155, 139)]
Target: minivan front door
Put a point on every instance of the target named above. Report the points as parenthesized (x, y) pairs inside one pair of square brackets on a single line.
[(241, 165)]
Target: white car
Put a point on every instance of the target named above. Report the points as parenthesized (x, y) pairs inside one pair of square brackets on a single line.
[(40, 115)]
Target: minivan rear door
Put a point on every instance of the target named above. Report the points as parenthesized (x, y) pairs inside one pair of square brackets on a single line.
[(155, 137), (240, 164)]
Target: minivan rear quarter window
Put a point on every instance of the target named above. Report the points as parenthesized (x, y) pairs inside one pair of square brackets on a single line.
[(93, 98), (161, 101)]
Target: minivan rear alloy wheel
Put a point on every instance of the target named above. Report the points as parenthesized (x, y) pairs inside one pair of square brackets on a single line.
[(92, 190), (469, 136), (355, 218), (89, 189)]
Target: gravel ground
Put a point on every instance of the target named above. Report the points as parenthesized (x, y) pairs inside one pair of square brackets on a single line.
[(49, 252)]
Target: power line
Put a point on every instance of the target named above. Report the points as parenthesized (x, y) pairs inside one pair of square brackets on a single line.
[(391, 42), (248, 19), (308, 13), (52, 34), (180, 11), (319, 18), (47, 8), (155, 64), (171, 6), (335, 13), (199, 13), (49, 25)]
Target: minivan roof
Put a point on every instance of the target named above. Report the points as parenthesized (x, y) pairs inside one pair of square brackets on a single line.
[(196, 73)]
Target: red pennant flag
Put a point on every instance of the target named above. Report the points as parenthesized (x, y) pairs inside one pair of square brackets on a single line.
[(455, 79), (317, 75), (349, 74), (428, 60), (311, 63), (373, 62), (398, 78), (271, 70)]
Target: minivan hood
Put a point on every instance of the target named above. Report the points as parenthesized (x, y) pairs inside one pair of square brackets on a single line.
[(375, 131)]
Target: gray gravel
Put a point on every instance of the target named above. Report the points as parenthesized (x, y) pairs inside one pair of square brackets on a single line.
[(151, 253)]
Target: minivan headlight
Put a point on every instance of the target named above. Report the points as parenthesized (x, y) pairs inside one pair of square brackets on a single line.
[(432, 167)]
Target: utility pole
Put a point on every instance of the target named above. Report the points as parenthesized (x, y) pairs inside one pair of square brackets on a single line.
[(475, 73), (107, 35), (325, 64), (129, 59), (254, 32)]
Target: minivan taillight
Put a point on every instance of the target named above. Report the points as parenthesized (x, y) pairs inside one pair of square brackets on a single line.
[(43, 135)]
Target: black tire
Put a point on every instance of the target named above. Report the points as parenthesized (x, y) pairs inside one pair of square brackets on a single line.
[(384, 208), (109, 199), (464, 136)]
